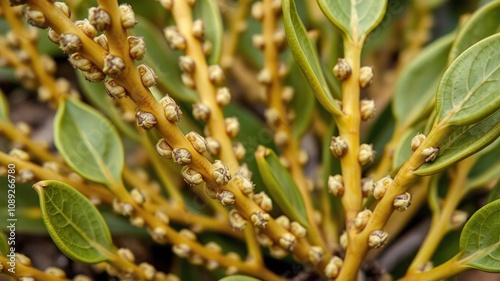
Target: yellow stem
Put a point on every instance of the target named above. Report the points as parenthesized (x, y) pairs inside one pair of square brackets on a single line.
[(237, 24), (452, 267), (23, 271)]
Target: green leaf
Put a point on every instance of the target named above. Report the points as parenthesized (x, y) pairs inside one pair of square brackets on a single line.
[(462, 142), (208, 11), (88, 142), (302, 103), (355, 18), (4, 108), (4, 245), (495, 193), (281, 185), (74, 224), (480, 239), (306, 57), (483, 23), (238, 278), (469, 89), (164, 61), (416, 88), (486, 168)]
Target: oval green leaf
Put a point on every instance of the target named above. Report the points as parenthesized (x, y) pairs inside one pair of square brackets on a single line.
[(480, 239), (74, 224), (463, 142), (416, 88), (208, 12), (281, 185), (486, 168), (88, 142), (302, 103), (355, 18), (306, 57), (4, 108), (483, 23), (238, 278), (468, 91), (495, 193)]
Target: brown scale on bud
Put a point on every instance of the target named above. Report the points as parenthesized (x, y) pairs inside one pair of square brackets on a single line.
[(216, 74), (236, 220), (362, 219), (69, 43), (64, 8), (367, 109), (239, 151), (366, 186), (429, 154), (287, 241), (366, 154), (213, 146), (257, 11), (102, 41), (232, 126), (190, 176), (298, 230), (338, 147), (114, 90), (99, 18), (172, 111), (113, 65), (416, 141), (35, 17), (333, 267), (148, 76), (258, 42), (377, 239), (315, 255), (365, 76), (336, 185), (225, 197), (188, 80), (223, 96), (260, 219), (136, 47), (244, 184), (197, 141), (201, 112), (381, 186), (187, 64), (80, 62), (127, 16), (342, 70), (145, 120), (402, 202), (86, 27), (264, 202), (221, 173), (181, 156), (198, 29), (94, 74)]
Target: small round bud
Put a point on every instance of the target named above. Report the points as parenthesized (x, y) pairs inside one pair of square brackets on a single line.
[(181, 250), (245, 185), (236, 220), (187, 64), (429, 154), (114, 90), (377, 239), (298, 230), (172, 111), (148, 270), (342, 70), (137, 221), (102, 41), (35, 17), (225, 197), (174, 39), (198, 142), (206, 47), (315, 254), (19, 154), (145, 120), (365, 76), (277, 251), (64, 8), (258, 42), (367, 109), (158, 234), (257, 10), (198, 29), (281, 138), (279, 39), (287, 94), (127, 16), (265, 76), (239, 151), (161, 216), (186, 233), (113, 65), (148, 76), (338, 147), (80, 62), (137, 196), (260, 219), (53, 36), (232, 126), (458, 218), (99, 18), (163, 149), (272, 117), (126, 254), (221, 173), (25, 176), (276, 5), (264, 240), (362, 219), (344, 240), (287, 241), (366, 154), (167, 4), (283, 221), (94, 74), (201, 111), (216, 74), (69, 43), (381, 186), (213, 146), (212, 265), (264, 202), (223, 97), (366, 186), (188, 80), (333, 267), (54, 271), (244, 171), (181, 156), (136, 47), (303, 157), (416, 141), (402, 202), (282, 70), (336, 185), (87, 28)]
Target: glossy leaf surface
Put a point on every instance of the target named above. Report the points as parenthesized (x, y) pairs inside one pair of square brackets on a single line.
[(208, 11)]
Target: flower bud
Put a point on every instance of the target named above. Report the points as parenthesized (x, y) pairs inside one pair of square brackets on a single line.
[(53, 36), (297, 229), (282, 70), (174, 39), (366, 154), (99, 18), (187, 64), (22, 259), (113, 65), (167, 4), (429, 154), (336, 185), (87, 28), (54, 271), (277, 251), (181, 250), (264, 76), (263, 239), (239, 151), (362, 219), (377, 239), (281, 138), (162, 217), (188, 80), (223, 97), (367, 109), (198, 29), (201, 111), (221, 173), (137, 221), (279, 39), (315, 254), (257, 11), (94, 74), (338, 147), (236, 220), (188, 234), (35, 17), (102, 41), (303, 157), (381, 186), (181, 156), (137, 196), (172, 111), (272, 117), (213, 146), (258, 42), (283, 221), (158, 234), (114, 90), (458, 218), (212, 265), (333, 267), (216, 74), (126, 254), (276, 5), (145, 120), (232, 126), (69, 43), (366, 186), (416, 141), (244, 171), (148, 76), (19, 154), (287, 241), (64, 8), (197, 141), (148, 270), (206, 47), (342, 70), (80, 62), (402, 202), (263, 201), (260, 219), (136, 47), (225, 197), (127, 16), (365, 76), (190, 176), (344, 240), (245, 185)]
